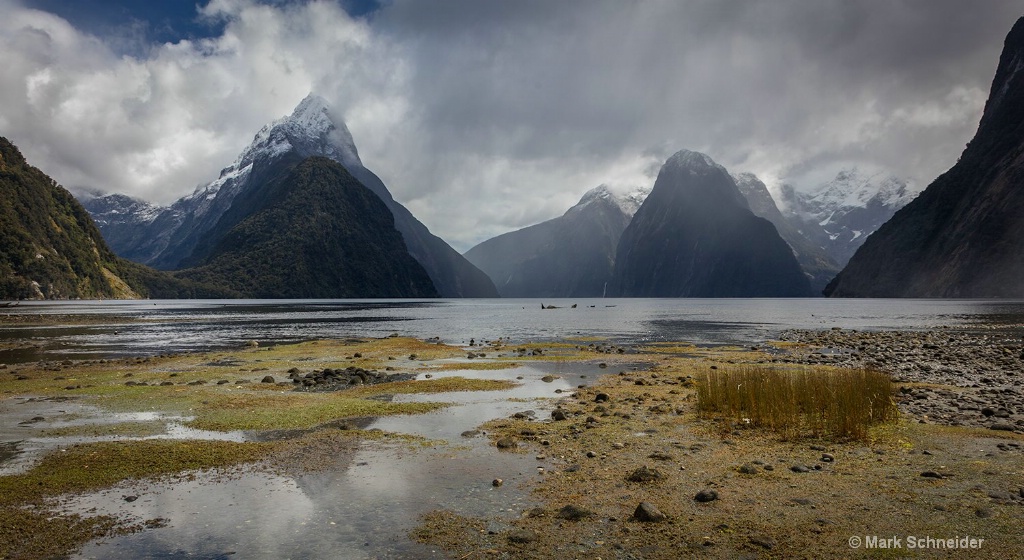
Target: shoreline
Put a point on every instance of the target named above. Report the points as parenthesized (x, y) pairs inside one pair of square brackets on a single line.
[(645, 420)]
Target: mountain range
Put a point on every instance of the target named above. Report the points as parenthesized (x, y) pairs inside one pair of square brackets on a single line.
[(695, 236), (963, 237), (182, 235), (572, 255), (51, 249)]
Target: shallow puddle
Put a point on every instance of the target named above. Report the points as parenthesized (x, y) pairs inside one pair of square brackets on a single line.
[(362, 506)]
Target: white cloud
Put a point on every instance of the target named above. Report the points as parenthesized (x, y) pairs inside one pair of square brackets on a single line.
[(489, 116)]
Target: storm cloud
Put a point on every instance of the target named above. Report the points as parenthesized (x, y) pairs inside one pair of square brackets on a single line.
[(483, 117)]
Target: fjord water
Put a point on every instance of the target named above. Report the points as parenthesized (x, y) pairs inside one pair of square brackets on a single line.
[(366, 503), (148, 327)]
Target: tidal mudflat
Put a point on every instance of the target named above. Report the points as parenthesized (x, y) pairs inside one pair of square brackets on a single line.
[(500, 449)]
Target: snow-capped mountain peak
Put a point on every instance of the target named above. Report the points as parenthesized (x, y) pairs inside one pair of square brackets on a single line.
[(310, 130), (842, 212), (629, 202)]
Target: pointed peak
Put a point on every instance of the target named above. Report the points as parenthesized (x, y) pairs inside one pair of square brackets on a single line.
[(628, 203), (694, 161)]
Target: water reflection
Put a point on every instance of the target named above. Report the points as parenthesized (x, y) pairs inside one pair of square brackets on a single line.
[(368, 499), (154, 327)]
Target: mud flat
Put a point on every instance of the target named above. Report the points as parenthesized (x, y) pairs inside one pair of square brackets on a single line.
[(595, 451), (627, 469)]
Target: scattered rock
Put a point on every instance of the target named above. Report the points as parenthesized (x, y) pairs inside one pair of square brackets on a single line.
[(522, 536), (573, 513), (267, 379), (648, 513), (705, 496), (749, 469), (558, 415), (800, 469), (497, 482), (644, 475), (763, 541), (505, 443)]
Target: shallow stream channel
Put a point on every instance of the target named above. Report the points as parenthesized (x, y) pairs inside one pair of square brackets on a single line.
[(363, 505)]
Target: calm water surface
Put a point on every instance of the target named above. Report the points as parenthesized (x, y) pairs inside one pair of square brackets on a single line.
[(154, 327)]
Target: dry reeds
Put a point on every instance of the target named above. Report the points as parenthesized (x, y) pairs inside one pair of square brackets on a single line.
[(841, 404)]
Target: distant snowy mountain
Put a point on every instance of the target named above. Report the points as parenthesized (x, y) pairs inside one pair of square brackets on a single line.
[(572, 255), (177, 236), (819, 267), (120, 218), (840, 214)]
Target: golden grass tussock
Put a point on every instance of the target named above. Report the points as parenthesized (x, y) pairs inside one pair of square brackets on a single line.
[(841, 404)]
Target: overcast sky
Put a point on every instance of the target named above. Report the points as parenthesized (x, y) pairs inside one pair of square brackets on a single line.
[(487, 116)]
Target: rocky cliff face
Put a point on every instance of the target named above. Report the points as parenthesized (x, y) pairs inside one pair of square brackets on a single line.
[(695, 236), (964, 235), (816, 263), (572, 255)]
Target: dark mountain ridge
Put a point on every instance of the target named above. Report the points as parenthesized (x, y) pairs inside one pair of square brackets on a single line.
[(572, 255), (170, 239), (310, 231), (963, 236), (695, 236)]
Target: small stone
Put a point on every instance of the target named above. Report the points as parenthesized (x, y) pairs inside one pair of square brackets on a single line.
[(470, 433), (799, 469), (558, 415), (497, 482), (505, 443), (648, 513), (763, 541), (522, 536), (932, 474), (548, 378), (267, 379), (601, 397), (1000, 496), (749, 469), (591, 454), (827, 458), (1002, 427), (706, 496), (573, 513), (644, 475), (130, 499), (618, 445)]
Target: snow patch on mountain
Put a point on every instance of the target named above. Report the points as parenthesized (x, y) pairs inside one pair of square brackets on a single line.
[(629, 202)]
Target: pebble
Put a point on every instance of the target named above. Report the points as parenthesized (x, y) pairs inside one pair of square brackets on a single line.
[(707, 495), (505, 443), (497, 482), (749, 469), (648, 513), (573, 513), (522, 536), (799, 469)]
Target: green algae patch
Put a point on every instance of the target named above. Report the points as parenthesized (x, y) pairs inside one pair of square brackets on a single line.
[(39, 534), (277, 411), (429, 386), (127, 429), (92, 466), (484, 364)]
